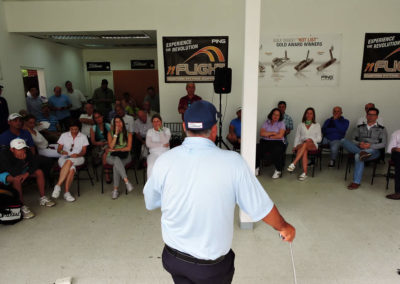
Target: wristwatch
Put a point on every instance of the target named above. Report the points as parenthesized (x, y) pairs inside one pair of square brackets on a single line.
[(115, 135)]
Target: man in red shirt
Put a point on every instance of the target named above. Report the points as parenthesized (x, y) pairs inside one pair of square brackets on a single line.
[(186, 101)]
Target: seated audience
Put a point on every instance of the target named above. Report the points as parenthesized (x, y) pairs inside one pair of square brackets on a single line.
[(112, 113), (129, 105), (394, 149), (118, 153), (363, 119), (87, 119), (34, 102), (98, 137), (127, 119), (308, 135), (273, 140), (72, 148), (157, 140), (48, 125), (142, 125), (43, 147), (368, 139), (148, 110), (15, 131), (235, 129), (186, 101), (287, 119), (60, 105), (333, 130), (20, 164)]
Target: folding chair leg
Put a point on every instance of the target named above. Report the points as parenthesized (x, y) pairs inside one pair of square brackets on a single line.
[(77, 180), (373, 172), (102, 180), (90, 177), (387, 177)]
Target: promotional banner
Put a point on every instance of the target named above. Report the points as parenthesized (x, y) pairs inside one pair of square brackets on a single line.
[(194, 59), (300, 60), (381, 59)]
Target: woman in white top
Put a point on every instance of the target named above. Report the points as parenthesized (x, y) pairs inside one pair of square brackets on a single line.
[(308, 135), (157, 140), (44, 149), (72, 148)]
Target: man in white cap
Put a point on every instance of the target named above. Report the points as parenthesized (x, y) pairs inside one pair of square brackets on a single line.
[(19, 163), (197, 185)]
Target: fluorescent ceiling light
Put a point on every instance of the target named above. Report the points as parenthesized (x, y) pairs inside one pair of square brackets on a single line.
[(125, 36), (107, 37), (73, 37)]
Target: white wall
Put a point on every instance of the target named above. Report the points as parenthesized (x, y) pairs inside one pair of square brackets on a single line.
[(168, 18), (352, 19), (120, 59), (60, 63)]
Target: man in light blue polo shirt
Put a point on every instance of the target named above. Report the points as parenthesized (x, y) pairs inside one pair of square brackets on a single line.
[(197, 185), (60, 105)]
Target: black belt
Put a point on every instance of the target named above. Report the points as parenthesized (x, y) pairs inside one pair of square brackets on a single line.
[(191, 259)]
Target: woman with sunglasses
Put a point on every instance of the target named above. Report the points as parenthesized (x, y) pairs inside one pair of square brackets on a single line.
[(118, 153), (157, 140), (72, 148)]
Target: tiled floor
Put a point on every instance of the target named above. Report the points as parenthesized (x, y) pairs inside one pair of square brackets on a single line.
[(342, 237)]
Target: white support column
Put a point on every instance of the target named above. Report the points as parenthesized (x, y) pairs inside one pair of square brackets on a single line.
[(250, 91)]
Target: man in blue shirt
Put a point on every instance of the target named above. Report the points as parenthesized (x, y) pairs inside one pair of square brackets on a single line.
[(334, 130), (15, 122), (197, 185), (235, 130), (34, 102), (60, 105)]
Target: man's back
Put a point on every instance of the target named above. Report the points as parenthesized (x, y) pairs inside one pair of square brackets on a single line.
[(198, 209)]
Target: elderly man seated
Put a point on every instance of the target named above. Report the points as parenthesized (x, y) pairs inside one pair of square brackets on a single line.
[(334, 129), (20, 164), (368, 139)]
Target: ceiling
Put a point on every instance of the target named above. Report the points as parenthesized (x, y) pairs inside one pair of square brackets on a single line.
[(101, 39)]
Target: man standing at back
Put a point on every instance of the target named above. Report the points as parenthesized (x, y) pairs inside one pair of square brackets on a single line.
[(103, 98), (77, 99), (186, 101), (197, 185), (60, 105)]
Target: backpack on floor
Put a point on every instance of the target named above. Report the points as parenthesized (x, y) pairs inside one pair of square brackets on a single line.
[(10, 206)]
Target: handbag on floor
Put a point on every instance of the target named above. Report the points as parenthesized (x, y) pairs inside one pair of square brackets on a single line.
[(10, 206)]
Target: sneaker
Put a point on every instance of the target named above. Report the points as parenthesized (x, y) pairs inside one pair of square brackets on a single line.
[(68, 197), (56, 191), (45, 201), (353, 186), (331, 163), (114, 194), (277, 174), (257, 171), (394, 196), (302, 177), (291, 167), (129, 186), (364, 155), (26, 212)]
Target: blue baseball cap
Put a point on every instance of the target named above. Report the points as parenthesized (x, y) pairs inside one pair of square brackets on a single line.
[(201, 115)]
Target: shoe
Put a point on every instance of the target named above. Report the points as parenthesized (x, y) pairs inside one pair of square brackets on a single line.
[(26, 212), (129, 186), (114, 194), (277, 174), (291, 167), (68, 197), (56, 191), (302, 177), (257, 171), (353, 186), (394, 196), (45, 201), (364, 155), (331, 163)]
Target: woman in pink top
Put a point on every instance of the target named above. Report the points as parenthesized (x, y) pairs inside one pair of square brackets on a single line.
[(273, 140), (308, 135)]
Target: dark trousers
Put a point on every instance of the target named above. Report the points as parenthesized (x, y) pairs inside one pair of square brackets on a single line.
[(76, 113), (184, 272), (275, 149), (396, 160), (64, 123)]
